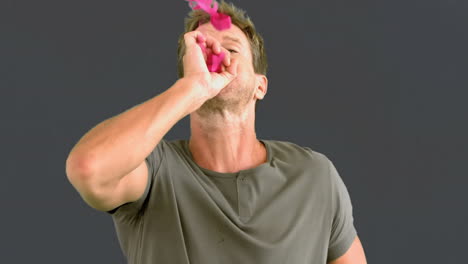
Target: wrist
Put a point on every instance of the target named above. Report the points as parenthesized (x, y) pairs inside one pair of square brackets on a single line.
[(190, 92)]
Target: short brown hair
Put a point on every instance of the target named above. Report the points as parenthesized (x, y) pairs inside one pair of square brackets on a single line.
[(241, 20)]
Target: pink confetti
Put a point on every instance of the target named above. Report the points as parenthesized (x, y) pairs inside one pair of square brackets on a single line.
[(213, 61), (220, 21)]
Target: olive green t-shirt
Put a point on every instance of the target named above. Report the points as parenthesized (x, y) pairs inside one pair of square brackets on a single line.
[(292, 209)]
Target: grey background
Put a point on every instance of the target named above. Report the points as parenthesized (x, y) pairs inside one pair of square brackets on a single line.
[(378, 86)]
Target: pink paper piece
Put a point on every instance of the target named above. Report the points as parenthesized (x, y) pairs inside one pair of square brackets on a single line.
[(220, 21), (206, 5), (213, 61)]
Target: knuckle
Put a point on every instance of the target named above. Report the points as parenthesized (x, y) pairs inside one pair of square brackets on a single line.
[(190, 34)]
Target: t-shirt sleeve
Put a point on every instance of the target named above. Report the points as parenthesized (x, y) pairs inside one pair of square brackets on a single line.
[(343, 231), (153, 161)]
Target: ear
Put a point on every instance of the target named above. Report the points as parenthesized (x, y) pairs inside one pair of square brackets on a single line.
[(262, 86)]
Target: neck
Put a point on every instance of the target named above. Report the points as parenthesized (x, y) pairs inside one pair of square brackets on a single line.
[(225, 143)]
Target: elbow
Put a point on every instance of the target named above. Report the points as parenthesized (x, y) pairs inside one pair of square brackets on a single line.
[(80, 175), (78, 168)]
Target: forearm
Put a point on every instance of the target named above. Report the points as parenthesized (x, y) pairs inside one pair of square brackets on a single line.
[(119, 144)]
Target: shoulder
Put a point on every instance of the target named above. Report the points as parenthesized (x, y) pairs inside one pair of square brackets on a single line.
[(168, 146), (286, 150), (297, 158)]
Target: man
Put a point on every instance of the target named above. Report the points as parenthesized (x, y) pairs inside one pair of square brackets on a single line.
[(223, 196)]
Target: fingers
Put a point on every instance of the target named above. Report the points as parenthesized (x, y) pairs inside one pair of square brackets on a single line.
[(201, 38), (232, 68), (194, 58), (208, 46), (194, 37), (227, 58), (216, 48), (213, 44)]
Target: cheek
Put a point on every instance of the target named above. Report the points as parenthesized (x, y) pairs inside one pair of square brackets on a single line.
[(245, 71), (245, 77), (245, 67), (243, 60)]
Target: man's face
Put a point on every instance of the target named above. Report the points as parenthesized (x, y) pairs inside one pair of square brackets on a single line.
[(240, 92)]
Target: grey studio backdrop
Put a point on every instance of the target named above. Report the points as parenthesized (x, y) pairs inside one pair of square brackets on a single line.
[(377, 86)]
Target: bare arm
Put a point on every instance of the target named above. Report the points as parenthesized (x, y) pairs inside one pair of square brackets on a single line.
[(354, 255), (118, 145), (107, 165)]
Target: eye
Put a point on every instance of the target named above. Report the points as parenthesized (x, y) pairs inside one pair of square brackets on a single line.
[(231, 50)]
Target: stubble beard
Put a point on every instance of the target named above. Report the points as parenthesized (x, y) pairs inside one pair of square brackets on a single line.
[(230, 99)]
